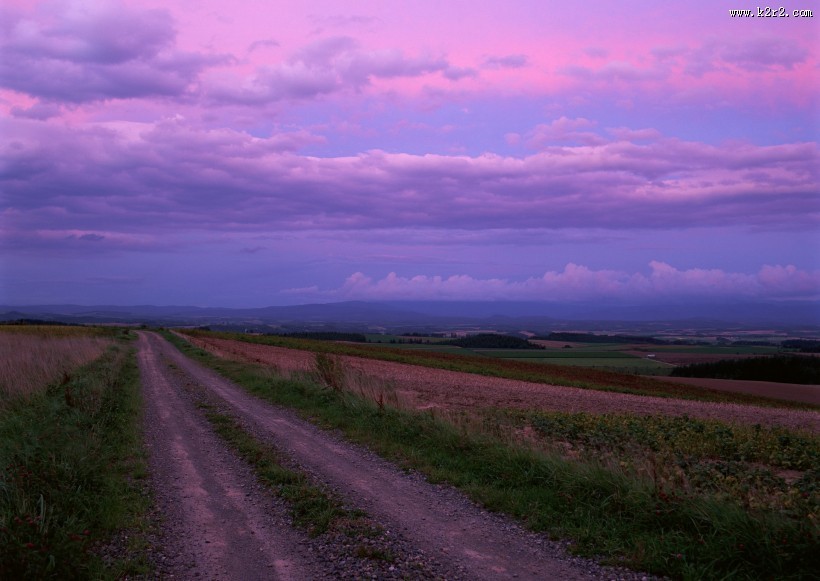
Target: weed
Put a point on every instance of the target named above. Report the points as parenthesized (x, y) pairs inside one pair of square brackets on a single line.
[(330, 371)]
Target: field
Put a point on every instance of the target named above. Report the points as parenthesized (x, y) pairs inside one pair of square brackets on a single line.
[(684, 488), (638, 359), (707, 485), (32, 356), (420, 387)]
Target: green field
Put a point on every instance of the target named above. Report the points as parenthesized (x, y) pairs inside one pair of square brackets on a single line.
[(379, 338), (617, 364), (602, 356), (552, 354), (717, 349), (592, 356)]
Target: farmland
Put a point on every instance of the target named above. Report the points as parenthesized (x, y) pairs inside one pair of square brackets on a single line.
[(634, 358), (690, 475), (663, 479)]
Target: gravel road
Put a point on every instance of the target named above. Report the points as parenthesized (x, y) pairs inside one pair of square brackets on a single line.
[(217, 524), (223, 526)]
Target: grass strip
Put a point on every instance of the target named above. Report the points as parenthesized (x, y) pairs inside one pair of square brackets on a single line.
[(609, 513), (311, 508), (521, 370), (70, 465)]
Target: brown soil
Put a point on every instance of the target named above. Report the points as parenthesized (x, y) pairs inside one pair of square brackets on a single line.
[(469, 542), (424, 387), (787, 391)]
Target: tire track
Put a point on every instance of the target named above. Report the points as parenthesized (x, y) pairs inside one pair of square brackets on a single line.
[(437, 520), (217, 522)]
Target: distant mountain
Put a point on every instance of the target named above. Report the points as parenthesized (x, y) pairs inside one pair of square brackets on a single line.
[(791, 313), (427, 315)]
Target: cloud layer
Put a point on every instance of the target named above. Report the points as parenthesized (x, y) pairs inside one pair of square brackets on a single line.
[(578, 283)]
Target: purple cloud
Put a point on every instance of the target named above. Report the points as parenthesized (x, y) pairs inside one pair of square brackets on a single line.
[(326, 66), (751, 55), (162, 177), (563, 130), (614, 71), (79, 54), (578, 282), (511, 61)]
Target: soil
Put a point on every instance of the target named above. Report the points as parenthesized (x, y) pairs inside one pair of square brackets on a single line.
[(221, 525), (787, 391), (425, 388)]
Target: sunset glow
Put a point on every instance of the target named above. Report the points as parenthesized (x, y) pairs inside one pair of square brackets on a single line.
[(251, 153)]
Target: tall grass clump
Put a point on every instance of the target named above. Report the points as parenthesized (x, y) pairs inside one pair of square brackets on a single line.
[(32, 358), (69, 470), (582, 478)]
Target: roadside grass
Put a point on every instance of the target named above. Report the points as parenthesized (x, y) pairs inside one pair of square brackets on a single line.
[(521, 370), (70, 464), (610, 508)]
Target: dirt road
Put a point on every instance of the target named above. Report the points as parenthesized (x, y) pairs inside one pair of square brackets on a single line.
[(222, 528), (217, 523)]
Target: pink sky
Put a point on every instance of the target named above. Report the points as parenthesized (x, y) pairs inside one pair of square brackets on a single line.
[(251, 153)]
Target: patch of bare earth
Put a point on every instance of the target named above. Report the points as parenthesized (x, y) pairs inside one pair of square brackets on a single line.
[(787, 391), (424, 387)]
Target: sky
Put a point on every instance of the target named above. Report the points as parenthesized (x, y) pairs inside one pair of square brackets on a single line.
[(247, 153)]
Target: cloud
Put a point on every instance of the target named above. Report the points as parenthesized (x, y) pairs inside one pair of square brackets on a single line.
[(173, 175), (325, 66), (78, 52), (37, 111), (510, 61), (563, 130), (577, 283), (260, 44), (614, 71), (750, 55)]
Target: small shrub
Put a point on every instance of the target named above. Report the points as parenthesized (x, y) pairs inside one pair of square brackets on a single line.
[(330, 370)]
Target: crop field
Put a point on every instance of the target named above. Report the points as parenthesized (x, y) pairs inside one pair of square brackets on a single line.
[(615, 364), (432, 348), (615, 357), (33, 356), (396, 339)]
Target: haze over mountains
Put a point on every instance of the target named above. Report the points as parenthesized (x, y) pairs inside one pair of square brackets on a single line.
[(537, 316)]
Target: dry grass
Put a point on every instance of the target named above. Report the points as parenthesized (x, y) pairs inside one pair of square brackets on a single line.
[(31, 358)]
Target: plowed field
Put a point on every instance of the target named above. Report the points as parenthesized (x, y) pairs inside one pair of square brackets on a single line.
[(424, 388)]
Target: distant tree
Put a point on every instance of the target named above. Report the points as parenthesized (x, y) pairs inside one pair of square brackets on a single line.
[(493, 341), (779, 368)]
